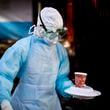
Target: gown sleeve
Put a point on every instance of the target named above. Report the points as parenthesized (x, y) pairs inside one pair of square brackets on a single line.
[(63, 82), (10, 63)]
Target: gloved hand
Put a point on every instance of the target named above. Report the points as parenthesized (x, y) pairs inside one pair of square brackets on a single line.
[(5, 105)]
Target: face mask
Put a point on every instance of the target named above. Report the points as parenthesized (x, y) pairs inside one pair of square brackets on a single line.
[(53, 41), (51, 37)]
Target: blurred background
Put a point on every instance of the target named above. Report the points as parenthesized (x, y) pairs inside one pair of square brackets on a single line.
[(86, 40)]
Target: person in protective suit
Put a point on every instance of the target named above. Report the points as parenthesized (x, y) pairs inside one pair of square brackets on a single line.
[(41, 63)]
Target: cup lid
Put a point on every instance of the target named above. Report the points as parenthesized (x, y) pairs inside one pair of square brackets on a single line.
[(80, 73)]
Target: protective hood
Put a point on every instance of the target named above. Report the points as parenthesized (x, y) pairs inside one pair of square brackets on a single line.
[(51, 18)]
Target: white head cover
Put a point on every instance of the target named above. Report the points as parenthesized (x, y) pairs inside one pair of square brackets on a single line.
[(51, 18)]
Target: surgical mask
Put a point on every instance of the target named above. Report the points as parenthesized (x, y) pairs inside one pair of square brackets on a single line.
[(51, 37)]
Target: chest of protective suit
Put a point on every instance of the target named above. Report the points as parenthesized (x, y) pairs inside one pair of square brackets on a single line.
[(42, 64)]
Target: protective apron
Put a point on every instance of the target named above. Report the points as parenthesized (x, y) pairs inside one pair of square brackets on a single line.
[(36, 90)]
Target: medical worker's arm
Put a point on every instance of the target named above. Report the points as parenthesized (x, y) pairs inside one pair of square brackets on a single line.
[(63, 82), (9, 67)]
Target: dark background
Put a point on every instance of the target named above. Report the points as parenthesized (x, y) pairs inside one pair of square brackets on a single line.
[(92, 33)]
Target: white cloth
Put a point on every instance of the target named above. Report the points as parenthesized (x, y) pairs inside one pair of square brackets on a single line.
[(5, 105), (51, 18)]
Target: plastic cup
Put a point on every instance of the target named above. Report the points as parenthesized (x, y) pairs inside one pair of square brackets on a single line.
[(80, 79)]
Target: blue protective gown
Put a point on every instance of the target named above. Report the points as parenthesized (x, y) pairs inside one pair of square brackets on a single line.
[(43, 71)]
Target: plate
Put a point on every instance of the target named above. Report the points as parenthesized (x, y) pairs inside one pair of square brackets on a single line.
[(86, 92)]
